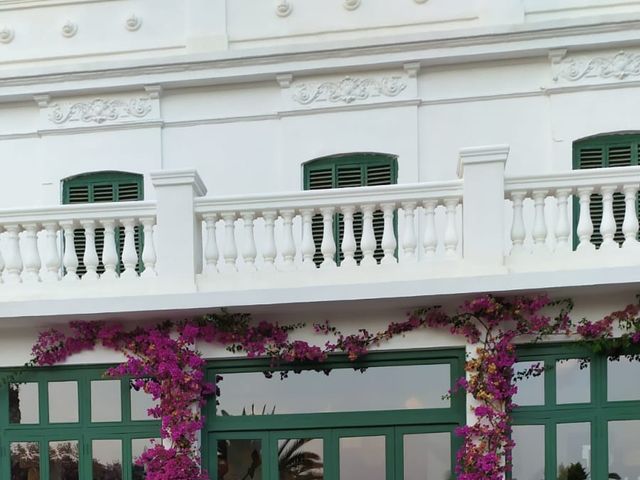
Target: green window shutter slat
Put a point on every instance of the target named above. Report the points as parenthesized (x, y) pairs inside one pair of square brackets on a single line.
[(591, 158), (98, 188), (619, 156), (356, 170)]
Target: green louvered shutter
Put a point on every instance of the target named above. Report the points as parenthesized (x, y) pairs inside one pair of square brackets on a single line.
[(104, 187), (356, 170), (604, 152)]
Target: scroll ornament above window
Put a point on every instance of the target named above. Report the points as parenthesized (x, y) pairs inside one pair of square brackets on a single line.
[(348, 90), (100, 111), (616, 67)]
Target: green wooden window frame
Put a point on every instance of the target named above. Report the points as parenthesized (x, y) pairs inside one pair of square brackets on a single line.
[(350, 170), (107, 186), (84, 431), (598, 411), (329, 427), (604, 151)]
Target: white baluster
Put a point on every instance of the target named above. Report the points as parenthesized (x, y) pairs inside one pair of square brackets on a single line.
[(328, 246), (30, 254), (539, 222), (90, 257), (430, 240), (409, 242), (129, 253), (608, 224), (70, 258), (389, 242), (269, 251), (585, 225), (109, 250), (51, 255), (149, 257), (368, 240), (249, 252), (211, 253), (1, 259), (630, 224), (518, 232), (308, 246), (288, 243), (348, 238), (230, 251), (451, 232), (13, 258), (562, 224)]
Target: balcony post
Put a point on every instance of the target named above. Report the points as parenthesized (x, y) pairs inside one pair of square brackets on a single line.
[(178, 238), (482, 169)]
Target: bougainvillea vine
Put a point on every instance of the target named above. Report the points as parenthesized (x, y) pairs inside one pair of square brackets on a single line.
[(163, 361)]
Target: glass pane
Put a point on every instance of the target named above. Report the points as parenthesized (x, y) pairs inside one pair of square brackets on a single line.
[(138, 447), (531, 388), (427, 456), (300, 459), (107, 459), (25, 461), (574, 451), (343, 390), (624, 449), (573, 383), (23, 403), (63, 460), (106, 403), (618, 385), (63, 402), (239, 459), (141, 402), (528, 454), (362, 457)]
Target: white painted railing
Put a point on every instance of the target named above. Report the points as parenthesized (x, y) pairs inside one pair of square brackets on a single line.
[(274, 232), (550, 200), (39, 244)]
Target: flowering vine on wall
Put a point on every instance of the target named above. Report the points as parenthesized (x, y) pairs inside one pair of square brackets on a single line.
[(165, 363)]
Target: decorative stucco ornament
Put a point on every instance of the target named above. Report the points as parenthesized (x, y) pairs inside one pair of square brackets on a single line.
[(349, 90), (6, 35), (351, 4), (284, 8), (619, 66), (69, 29), (100, 111), (133, 23)]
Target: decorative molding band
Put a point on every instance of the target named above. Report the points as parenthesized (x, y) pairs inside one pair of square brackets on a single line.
[(6, 35), (619, 66), (349, 90), (99, 111)]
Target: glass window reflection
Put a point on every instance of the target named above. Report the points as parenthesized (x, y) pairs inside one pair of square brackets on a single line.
[(528, 454), (624, 449), (573, 381), (573, 450), (239, 459), (343, 390), (530, 388), (64, 458), (25, 460), (300, 459), (138, 447), (63, 402), (362, 457), (106, 403), (141, 402), (427, 456), (619, 372), (107, 459), (23, 403)]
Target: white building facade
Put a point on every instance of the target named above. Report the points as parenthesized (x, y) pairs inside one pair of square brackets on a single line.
[(311, 160)]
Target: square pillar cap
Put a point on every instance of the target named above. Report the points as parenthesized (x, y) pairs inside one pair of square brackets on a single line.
[(166, 178), (483, 154)]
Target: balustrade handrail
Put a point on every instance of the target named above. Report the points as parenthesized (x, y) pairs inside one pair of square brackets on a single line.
[(88, 211), (596, 177), (312, 199)]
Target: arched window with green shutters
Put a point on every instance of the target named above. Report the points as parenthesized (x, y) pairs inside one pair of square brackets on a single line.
[(604, 151), (350, 170), (98, 187)]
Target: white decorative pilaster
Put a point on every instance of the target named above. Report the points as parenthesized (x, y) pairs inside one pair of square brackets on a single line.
[(109, 250), (368, 240), (50, 253), (562, 223), (13, 258), (430, 240), (70, 257), (230, 250), (328, 246), (539, 222), (348, 239), (129, 253), (211, 252), (249, 252), (518, 232), (608, 224), (409, 241), (90, 255), (149, 257), (389, 242), (585, 225), (269, 252), (288, 243), (308, 246), (630, 223)]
